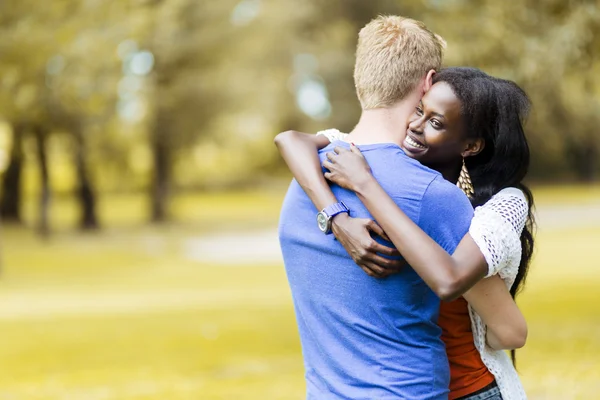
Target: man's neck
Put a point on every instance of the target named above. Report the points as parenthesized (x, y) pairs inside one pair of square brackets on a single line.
[(383, 125)]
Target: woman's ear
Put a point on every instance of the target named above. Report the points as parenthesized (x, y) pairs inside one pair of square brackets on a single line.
[(474, 147)]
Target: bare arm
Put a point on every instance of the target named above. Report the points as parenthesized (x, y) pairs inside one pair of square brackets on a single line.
[(300, 152), (506, 325), (448, 276)]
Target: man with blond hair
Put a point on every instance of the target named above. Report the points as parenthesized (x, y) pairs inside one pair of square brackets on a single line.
[(364, 338)]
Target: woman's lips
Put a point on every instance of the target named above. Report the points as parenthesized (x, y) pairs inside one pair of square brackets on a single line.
[(413, 145)]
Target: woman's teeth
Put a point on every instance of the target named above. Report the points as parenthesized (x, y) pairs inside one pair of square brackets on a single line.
[(413, 143)]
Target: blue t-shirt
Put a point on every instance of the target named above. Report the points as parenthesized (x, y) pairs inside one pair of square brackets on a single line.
[(365, 338)]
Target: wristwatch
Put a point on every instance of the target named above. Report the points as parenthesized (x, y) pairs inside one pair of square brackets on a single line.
[(326, 215)]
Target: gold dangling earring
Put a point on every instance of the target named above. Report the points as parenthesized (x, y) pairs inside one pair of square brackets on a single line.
[(464, 181)]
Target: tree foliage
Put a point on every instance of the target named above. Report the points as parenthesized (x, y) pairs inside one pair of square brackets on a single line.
[(163, 95)]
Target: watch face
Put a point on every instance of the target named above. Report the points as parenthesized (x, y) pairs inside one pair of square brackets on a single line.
[(322, 221)]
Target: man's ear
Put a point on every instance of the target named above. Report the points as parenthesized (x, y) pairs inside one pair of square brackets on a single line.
[(428, 80), (474, 147)]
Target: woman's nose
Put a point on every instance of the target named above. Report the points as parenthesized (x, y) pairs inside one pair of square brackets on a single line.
[(416, 125)]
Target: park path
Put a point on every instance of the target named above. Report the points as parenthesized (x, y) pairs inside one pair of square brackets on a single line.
[(252, 248)]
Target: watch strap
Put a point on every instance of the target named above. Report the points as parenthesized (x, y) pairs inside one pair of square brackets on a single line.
[(335, 209)]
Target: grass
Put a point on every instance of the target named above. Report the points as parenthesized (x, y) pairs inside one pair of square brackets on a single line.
[(567, 193), (97, 317), (122, 314), (560, 360), (217, 210)]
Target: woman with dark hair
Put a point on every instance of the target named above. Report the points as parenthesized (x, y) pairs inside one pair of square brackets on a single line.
[(468, 127)]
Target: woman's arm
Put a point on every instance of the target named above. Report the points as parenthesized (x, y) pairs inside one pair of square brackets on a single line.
[(506, 325), (300, 152), (448, 276)]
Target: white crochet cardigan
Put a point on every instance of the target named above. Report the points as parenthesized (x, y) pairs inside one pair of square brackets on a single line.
[(496, 228)]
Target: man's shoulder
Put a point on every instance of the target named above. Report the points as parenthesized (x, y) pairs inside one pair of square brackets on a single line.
[(446, 197), (440, 186), (401, 170)]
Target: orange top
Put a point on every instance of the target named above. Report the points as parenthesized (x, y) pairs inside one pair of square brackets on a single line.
[(468, 373)]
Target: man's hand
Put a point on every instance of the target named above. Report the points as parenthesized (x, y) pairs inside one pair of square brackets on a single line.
[(354, 235)]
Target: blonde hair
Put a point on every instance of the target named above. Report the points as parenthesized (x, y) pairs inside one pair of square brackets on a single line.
[(393, 54)]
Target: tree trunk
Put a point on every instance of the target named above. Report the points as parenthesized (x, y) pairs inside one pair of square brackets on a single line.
[(85, 191), (161, 180), (10, 205), (589, 156), (44, 202), (588, 164), (583, 158), (1, 248)]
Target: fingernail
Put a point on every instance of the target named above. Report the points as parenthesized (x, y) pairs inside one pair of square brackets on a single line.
[(352, 143)]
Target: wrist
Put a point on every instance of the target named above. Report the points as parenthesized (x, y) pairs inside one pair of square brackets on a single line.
[(326, 217), (338, 221), (325, 201), (340, 218), (364, 184)]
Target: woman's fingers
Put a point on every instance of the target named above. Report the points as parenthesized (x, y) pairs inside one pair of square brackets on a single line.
[(355, 235), (375, 228), (378, 230), (385, 250), (327, 165), (366, 270), (385, 263), (339, 150), (330, 156), (370, 253), (372, 269), (355, 150)]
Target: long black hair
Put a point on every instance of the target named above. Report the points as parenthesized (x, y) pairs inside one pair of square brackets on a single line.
[(495, 109)]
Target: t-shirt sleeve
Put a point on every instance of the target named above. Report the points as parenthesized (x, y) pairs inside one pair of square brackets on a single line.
[(445, 214)]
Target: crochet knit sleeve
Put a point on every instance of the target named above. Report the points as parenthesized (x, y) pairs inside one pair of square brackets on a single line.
[(333, 134), (496, 228)]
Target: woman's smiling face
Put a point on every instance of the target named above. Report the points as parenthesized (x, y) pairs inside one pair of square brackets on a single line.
[(436, 135)]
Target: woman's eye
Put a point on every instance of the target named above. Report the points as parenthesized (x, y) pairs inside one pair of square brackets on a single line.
[(436, 124), (419, 111)]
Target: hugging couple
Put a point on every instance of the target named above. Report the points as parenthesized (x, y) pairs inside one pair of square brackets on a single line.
[(404, 286)]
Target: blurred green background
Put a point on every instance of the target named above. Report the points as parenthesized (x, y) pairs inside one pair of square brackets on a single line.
[(140, 189)]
